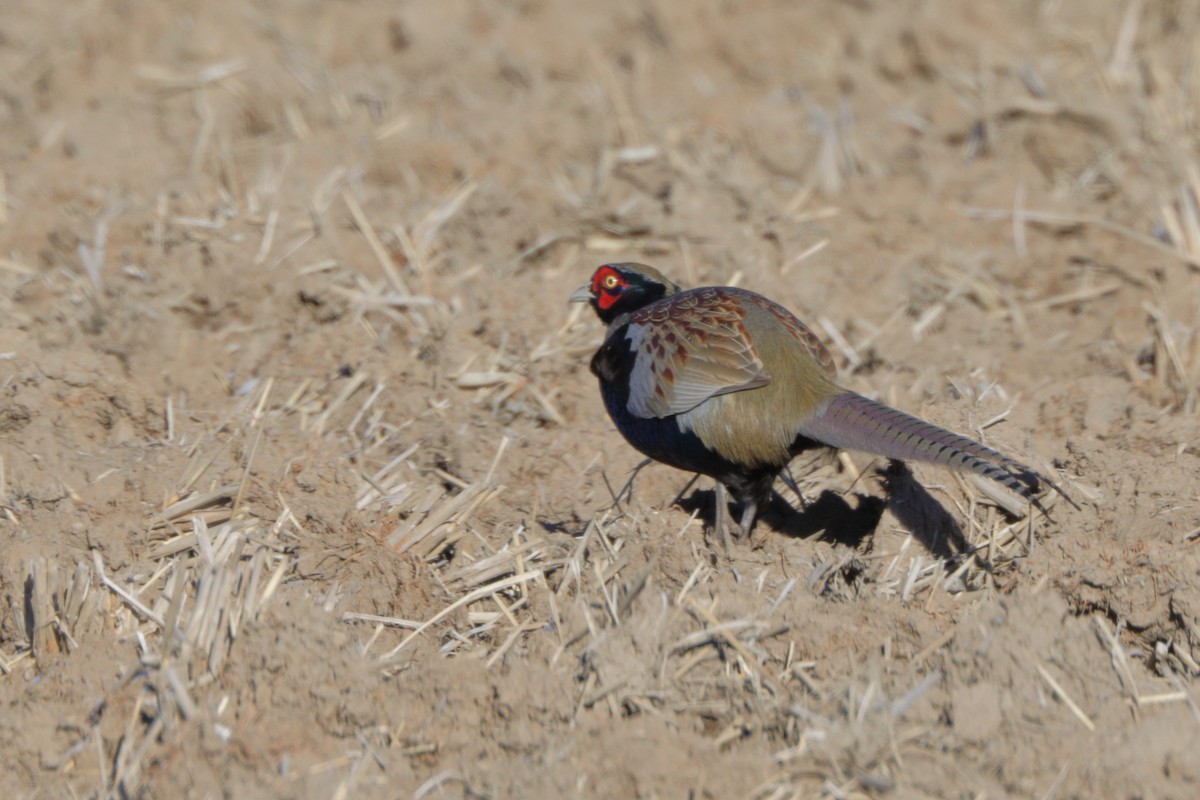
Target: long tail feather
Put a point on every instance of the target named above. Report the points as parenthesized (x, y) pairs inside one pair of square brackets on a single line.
[(851, 421)]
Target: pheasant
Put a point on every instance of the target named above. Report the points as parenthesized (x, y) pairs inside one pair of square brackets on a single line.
[(724, 382)]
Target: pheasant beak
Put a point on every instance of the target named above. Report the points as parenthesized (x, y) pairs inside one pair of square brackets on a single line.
[(582, 295)]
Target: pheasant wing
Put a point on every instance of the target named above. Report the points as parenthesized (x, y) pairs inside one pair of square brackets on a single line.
[(797, 329), (690, 347)]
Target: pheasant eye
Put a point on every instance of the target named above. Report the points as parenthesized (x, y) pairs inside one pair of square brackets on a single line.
[(611, 281)]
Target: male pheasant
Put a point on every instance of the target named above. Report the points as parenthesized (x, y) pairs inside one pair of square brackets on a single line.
[(724, 382)]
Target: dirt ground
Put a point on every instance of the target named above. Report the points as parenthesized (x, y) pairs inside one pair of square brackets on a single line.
[(306, 489)]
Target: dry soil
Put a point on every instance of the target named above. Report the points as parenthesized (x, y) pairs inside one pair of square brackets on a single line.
[(306, 489)]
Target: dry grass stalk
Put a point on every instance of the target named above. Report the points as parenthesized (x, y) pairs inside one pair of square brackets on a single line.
[(508, 379), (1181, 216), (837, 159), (1074, 297), (170, 80), (479, 594), (809, 252), (381, 254), (546, 556), (1010, 501), (853, 359), (17, 267), (1175, 376), (356, 382), (124, 595), (385, 484), (988, 545), (1066, 698), (211, 579), (622, 109), (432, 532), (62, 608), (1122, 231), (354, 616), (186, 507), (862, 722), (751, 663)]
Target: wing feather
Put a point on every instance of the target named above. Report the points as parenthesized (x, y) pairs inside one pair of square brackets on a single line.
[(688, 348)]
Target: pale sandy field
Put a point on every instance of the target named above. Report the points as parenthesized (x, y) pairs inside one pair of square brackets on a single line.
[(306, 489)]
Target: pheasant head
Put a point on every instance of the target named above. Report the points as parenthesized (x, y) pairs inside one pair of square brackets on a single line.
[(617, 289)]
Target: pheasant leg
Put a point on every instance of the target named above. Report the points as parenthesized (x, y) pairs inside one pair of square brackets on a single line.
[(749, 512), (721, 520)]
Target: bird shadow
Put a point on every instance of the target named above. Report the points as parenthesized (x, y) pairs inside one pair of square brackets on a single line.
[(922, 514), (833, 517), (829, 517)]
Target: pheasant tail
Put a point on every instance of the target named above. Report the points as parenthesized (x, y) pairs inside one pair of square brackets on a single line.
[(853, 422)]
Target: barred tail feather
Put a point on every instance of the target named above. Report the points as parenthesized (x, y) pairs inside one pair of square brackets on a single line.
[(852, 422)]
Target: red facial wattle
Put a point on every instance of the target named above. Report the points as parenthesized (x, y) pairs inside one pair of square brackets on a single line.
[(607, 285), (606, 299)]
